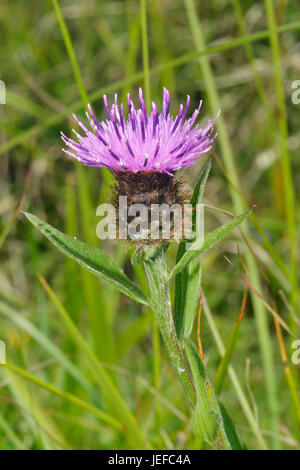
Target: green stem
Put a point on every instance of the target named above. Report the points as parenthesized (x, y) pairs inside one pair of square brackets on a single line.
[(157, 274)]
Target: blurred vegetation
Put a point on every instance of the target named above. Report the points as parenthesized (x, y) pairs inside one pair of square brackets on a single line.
[(193, 49)]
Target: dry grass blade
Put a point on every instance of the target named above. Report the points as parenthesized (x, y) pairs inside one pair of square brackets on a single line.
[(267, 305), (225, 361)]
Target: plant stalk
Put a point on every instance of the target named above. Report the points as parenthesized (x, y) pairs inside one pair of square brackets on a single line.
[(157, 274), (154, 259)]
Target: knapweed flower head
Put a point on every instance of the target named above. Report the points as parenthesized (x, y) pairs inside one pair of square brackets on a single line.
[(159, 142), (143, 153)]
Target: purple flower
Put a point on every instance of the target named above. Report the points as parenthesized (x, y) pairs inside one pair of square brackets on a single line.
[(157, 142)]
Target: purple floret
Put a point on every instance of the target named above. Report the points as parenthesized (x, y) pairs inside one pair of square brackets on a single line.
[(159, 142)]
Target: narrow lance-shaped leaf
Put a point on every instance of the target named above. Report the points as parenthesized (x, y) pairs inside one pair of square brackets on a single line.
[(231, 432), (211, 422), (192, 297), (206, 419), (187, 282), (201, 246), (91, 258)]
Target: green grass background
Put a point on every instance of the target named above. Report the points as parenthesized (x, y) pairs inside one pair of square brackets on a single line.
[(240, 57)]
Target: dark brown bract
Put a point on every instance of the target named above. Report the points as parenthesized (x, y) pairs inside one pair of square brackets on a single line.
[(149, 188)]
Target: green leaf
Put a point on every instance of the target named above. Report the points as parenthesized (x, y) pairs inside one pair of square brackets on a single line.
[(206, 424), (187, 282), (91, 258), (181, 281), (231, 433), (211, 421), (201, 246), (192, 297), (206, 419)]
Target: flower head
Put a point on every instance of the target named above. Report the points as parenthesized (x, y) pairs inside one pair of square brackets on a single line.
[(157, 142)]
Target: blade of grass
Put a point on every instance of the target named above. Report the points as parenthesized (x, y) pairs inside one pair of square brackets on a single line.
[(90, 284), (223, 366), (227, 152), (145, 52), (265, 303), (10, 435), (133, 34), (44, 429), (106, 418), (284, 149), (19, 319), (268, 245), (288, 191), (109, 390), (251, 59), (93, 295), (158, 22), (69, 46), (271, 132)]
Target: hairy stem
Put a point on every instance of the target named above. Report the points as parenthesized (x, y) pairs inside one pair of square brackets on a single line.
[(157, 274), (154, 259)]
